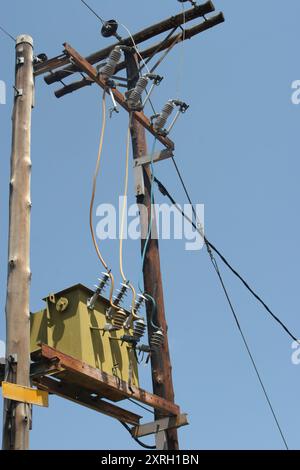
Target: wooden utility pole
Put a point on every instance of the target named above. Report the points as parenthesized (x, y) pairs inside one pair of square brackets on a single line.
[(16, 419), (160, 362)]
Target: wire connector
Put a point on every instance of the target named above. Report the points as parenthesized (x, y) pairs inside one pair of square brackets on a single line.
[(159, 120)]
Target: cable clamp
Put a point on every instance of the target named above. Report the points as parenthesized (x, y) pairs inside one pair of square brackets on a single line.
[(18, 92)]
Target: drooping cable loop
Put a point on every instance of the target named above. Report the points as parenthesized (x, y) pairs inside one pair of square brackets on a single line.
[(124, 206), (94, 187), (166, 193)]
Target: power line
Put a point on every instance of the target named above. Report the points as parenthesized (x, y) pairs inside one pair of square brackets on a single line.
[(93, 11), (216, 267), (8, 34), (159, 47), (136, 439), (165, 192), (141, 406)]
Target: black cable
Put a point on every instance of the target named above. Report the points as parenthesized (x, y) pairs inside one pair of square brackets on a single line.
[(215, 264), (159, 47), (152, 106), (8, 34), (141, 406), (216, 267), (136, 439), (184, 186), (165, 192), (93, 11)]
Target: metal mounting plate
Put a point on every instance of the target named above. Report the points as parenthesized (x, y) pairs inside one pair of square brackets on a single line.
[(157, 157)]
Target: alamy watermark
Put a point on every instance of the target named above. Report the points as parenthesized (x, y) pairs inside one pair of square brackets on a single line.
[(295, 357), (2, 92), (170, 224), (2, 349)]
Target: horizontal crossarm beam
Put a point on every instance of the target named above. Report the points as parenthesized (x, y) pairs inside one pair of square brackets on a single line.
[(86, 67), (183, 36), (139, 37)]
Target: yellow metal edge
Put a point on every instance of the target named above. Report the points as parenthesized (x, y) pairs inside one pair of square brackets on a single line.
[(23, 394)]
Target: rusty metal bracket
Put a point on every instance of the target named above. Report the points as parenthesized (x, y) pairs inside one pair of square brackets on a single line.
[(159, 428), (156, 157), (138, 163)]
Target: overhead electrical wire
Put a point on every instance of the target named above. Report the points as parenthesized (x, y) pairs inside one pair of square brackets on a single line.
[(94, 187), (182, 58), (150, 224), (165, 192), (140, 405), (7, 34), (216, 267), (149, 232), (159, 47), (165, 53), (136, 439), (95, 181), (135, 47), (93, 11), (125, 27), (134, 316)]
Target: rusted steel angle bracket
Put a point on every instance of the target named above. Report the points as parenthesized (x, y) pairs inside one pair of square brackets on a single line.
[(98, 377), (138, 163), (155, 158), (84, 398), (160, 425)]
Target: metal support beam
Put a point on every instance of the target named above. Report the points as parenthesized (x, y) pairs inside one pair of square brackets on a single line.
[(82, 397), (157, 157), (160, 425), (97, 381), (138, 163)]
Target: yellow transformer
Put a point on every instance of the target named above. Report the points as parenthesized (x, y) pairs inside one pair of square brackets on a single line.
[(68, 325)]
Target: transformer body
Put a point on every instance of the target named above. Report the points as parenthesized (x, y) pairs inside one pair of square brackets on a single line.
[(68, 325)]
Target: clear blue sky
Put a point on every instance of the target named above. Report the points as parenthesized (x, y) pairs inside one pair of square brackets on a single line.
[(238, 148)]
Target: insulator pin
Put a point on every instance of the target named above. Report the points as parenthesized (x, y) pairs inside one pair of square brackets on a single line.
[(109, 68), (139, 303), (139, 329), (117, 301), (134, 99), (118, 319), (161, 120), (157, 340), (98, 290)]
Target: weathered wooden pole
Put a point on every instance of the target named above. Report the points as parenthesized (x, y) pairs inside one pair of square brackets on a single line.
[(16, 419), (160, 362)]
